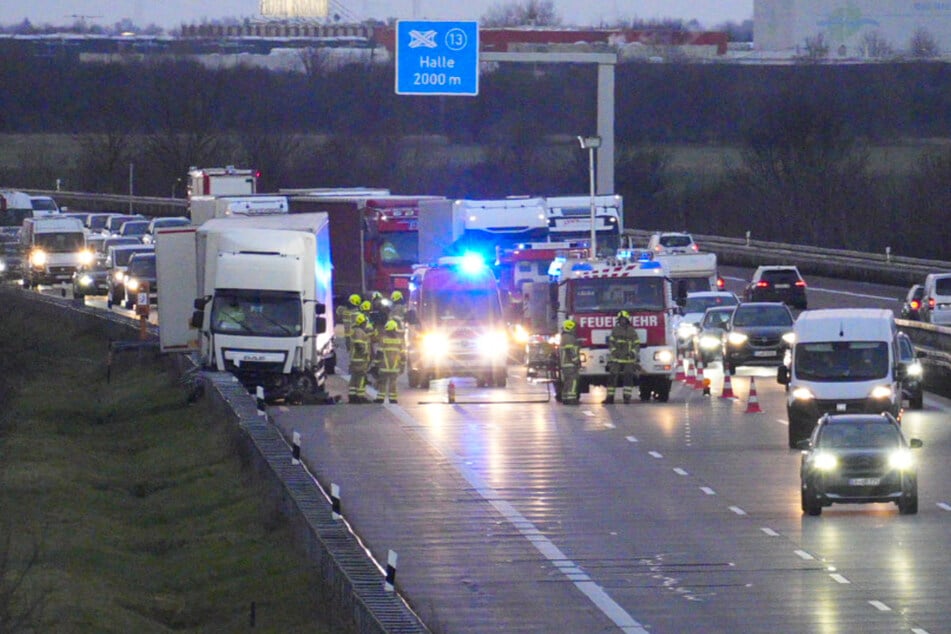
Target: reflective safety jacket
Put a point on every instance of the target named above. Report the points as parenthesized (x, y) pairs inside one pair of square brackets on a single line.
[(359, 346), (391, 344), (568, 350), (625, 346)]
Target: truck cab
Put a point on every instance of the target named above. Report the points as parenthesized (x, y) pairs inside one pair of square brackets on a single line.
[(455, 323)]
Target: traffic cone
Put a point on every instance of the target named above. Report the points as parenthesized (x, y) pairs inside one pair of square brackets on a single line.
[(681, 375), (698, 382), (752, 404), (727, 387), (691, 379), (451, 392)]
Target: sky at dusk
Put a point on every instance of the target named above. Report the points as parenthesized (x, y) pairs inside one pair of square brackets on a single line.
[(170, 14)]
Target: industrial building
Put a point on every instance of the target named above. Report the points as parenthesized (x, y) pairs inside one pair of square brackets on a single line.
[(846, 26)]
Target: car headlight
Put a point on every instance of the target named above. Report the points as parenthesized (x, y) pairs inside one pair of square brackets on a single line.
[(3, 266), (132, 284), (915, 370), (38, 257), (686, 330), (709, 342), (737, 338), (825, 461), (880, 392), (435, 344), (493, 344), (520, 335), (790, 338), (664, 357), (86, 257), (118, 276), (901, 459), (85, 280), (803, 394)]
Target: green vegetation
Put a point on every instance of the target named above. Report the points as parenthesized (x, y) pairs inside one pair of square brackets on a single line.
[(122, 510)]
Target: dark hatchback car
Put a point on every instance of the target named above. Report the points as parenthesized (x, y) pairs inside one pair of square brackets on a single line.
[(139, 274), (856, 459), (758, 333), (777, 283), (911, 308), (912, 387)]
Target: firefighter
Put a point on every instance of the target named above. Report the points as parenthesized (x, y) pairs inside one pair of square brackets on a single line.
[(398, 308), (570, 363), (346, 315), (391, 346), (359, 360), (623, 356), (379, 312)]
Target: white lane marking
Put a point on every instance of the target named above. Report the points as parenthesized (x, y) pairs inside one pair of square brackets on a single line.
[(944, 506), (588, 412), (803, 555), (770, 532), (708, 490), (737, 510), (782, 421), (919, 630), (631, 439), (656, 454), (851, 294), (680, 471), (878, 605), (609, 424), (595, 593), (839, 578)]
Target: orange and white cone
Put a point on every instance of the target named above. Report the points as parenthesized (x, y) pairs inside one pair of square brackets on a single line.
[(691, 379), (698, 383), (681, 375), (727, 387), (752, 405)]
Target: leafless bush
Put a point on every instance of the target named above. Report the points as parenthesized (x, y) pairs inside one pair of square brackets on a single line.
[(923, 44)]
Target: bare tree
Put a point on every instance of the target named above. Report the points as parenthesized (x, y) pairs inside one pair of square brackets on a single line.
[(522, 13), (816, 48), (875, 46), (923, 44)]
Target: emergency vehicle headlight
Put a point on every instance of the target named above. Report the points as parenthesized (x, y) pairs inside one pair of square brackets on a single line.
[(38, 257), (86, 257), (493, 344), (737, 338), (803, 394), (881, 392), (520, 335), (915, 370), (435, 344), (686, 330), (664, 356), (709, 342)]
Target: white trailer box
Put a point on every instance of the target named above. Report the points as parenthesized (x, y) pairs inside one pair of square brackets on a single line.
[(204, 208)]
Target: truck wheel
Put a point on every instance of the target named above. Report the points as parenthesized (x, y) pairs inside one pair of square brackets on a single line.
[(302, 387), (499, 377), (810, 504), (663, 391), (412, 377), (917, 401), (645, 392), (26, 282)]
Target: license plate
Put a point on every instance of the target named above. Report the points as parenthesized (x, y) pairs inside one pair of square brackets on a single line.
[(764, 353), (864, 482), (841, 407), (782, 286)]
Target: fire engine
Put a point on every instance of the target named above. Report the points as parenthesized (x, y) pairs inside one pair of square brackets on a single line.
[(593, 292)]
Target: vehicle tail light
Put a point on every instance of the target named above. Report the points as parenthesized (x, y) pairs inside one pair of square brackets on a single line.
[(931, 303), (762, 285), (801, 284), (721, 284), (915, 304), (695, 246)]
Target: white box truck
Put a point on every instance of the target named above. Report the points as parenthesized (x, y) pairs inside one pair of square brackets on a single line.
[(844, 361), (256, 302), (204, 208), (220, 181)]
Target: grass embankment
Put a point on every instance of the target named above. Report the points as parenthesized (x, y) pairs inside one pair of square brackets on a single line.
[(123, 510)]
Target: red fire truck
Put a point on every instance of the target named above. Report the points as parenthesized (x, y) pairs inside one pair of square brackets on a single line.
[(593, 292)]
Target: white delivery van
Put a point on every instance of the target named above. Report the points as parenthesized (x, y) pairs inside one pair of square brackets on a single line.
[(843, 361), (53, 248), (936, 301)]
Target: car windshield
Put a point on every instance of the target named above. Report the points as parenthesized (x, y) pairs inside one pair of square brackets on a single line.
[(136, 228), (610, 295), (784, 276), (942, 286), (142, 267), (906, 350), (841, 360), (466, 306), (747, 316), (121, 256), (675, 241), (700, 304), (870, 435), (43, 204), (716, 319), (257, 313), (60, 242), (96, 223), (399, 247)]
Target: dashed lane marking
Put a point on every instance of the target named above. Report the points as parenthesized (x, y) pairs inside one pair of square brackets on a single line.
[(878, 605), (631, 439), (656, 454), (770, 532), (839, 578), (803, 555), (708, 490), (680, 471), (737, 510), (944, 506)]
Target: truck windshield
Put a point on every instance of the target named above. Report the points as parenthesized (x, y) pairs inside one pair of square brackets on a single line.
[(841, 361), (256, 313), (610, 295), (465, 306), (399, 247), (60, 242)]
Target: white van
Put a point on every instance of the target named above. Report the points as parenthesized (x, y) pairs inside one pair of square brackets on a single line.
[(14, 208), (843, 361), (936, 301), (54, 247)]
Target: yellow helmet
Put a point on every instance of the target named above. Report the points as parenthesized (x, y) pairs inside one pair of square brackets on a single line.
[(376, 295), (360, 319), (624, 314), (366, 306), (354, 300), (391, 325), (569, 325), (396, 296)]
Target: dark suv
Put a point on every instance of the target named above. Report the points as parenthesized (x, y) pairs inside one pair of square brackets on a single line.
[(758, 333), (777, 283), (911, 309)]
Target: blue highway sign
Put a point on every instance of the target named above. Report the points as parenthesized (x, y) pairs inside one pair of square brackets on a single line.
[(437, 58)]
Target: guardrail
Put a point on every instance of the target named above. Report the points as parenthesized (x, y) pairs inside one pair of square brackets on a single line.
[(145, 205)]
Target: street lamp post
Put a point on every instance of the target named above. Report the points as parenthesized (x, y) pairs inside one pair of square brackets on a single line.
[(591, 143)]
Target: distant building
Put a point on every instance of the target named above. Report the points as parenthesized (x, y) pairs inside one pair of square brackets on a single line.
[(787, 25)]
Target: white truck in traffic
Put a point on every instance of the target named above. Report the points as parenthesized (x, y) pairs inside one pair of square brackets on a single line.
[(222, 181), (53, 247), (569, 220), (253, 295), (204, 208)]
